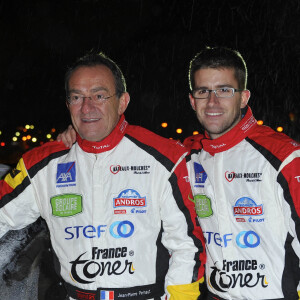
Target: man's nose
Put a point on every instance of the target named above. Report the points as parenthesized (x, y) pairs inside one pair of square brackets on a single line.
[(212, 98), (87, 104)]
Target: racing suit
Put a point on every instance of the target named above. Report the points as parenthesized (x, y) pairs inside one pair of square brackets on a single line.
[(121, 223), (246, 187)]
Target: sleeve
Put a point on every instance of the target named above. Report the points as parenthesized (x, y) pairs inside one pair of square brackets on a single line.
[(183, 238), (289, 189), (18, 207)]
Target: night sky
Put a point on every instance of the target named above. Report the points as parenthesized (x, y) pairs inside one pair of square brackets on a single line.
[(152, 41)]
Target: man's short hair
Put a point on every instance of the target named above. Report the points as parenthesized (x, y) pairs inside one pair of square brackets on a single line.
[(98, 59), (219, 58)]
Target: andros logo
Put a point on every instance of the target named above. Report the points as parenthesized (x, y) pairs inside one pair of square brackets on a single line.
[(246, 206), (129, 198)]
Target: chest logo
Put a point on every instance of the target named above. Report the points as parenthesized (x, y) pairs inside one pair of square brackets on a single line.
[(66, 205), (66, 173), (203, 206)]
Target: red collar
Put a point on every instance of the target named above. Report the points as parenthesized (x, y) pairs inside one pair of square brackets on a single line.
[(232, 137), (106, 144)]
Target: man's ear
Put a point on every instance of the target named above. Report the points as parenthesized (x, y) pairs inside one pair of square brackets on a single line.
[(192, 101), (245, 98), (123, 103)]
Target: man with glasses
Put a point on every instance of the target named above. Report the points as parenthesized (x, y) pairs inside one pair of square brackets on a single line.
[(246, 186), (116, 203)]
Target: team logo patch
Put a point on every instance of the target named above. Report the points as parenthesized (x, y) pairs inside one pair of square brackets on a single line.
[(66, 173), (203, 206), (66, 205), (246, 206), (200, 175)]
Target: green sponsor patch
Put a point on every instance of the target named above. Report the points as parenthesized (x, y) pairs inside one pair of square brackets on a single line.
[(203, 206), (66, 205)]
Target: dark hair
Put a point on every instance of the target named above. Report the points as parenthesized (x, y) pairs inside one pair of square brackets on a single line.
[(95, 59), (219, 58)]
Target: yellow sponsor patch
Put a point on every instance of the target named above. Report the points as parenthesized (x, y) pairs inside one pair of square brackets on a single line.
[(16, 176)]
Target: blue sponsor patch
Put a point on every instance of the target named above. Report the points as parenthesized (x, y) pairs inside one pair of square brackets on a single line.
[(66, 173), (200, 175)]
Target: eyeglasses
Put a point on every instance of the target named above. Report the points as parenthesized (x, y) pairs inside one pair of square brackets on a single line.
[(75, 99), (225, 92)]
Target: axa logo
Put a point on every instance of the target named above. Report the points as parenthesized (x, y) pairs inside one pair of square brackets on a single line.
[(200, 175), (66, 172)]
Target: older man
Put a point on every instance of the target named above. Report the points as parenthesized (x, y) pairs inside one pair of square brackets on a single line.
[(116, 203)]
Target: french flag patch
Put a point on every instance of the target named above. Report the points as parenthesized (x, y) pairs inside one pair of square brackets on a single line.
[(107, 295)]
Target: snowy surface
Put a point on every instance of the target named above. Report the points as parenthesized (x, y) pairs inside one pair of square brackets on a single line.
[(20, 260)]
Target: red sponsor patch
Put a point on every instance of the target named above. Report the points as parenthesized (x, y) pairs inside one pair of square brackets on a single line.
[(134, 202), (248, 211), (240, 220), (120, 211), (85, 296)]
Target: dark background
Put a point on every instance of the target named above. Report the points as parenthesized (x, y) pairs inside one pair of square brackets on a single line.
[(152, 41)]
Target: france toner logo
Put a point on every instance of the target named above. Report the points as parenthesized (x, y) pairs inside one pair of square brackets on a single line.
[(66, 173)]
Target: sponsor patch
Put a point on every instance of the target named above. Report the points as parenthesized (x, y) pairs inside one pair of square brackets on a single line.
[(200, 175), (66, 205), (247, 176), (203, 206), (66, 173), (246, 206), (131, 199), (115, 169)]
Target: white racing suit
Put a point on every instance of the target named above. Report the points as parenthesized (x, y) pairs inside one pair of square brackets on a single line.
[(246, 187), (121, 223)]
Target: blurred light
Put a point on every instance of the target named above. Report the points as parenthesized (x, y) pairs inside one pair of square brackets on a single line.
[(31, 126), (195, 132), (164, 124), (179, 130), (170, 138), (0, 132), (48, 136), (27, 126), (260, 122), (51, 140), (279, 129), (17, 133), (24, 130), (53, 130), (2, 144), (34, 140), (24, 138), (292, 116), (28, 137), (14, 139)]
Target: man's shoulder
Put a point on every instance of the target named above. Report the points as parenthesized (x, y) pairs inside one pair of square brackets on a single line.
[(278, 144), (146, 138), (194, 142), (47, 151)]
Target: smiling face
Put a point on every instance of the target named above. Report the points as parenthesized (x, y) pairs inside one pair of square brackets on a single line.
[(92, 120), (218, 115)]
